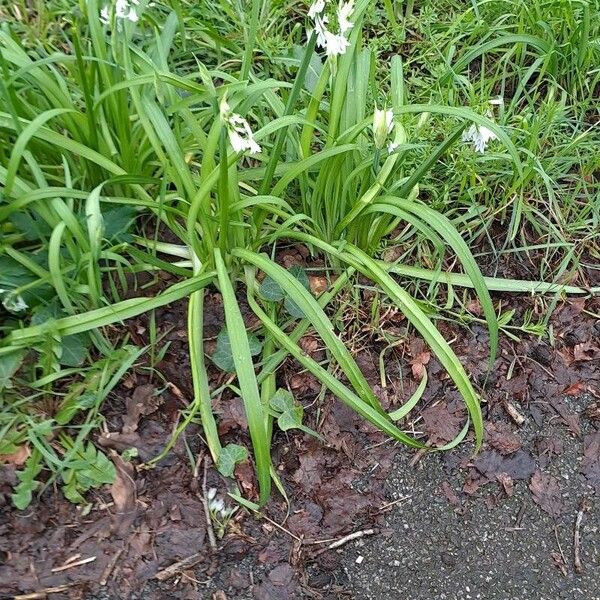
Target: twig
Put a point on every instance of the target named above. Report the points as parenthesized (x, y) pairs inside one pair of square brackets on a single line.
[(77, 563), (389, 505), (42, 594), (560, 549), (513, 413), (351, 536), (110, 566), (419, 455), (180, 565), (583, 507), (209, 527), (281, 527)]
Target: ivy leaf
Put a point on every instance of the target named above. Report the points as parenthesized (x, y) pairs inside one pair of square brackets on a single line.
[(282, 400), (291, 419), (9, 364), (229, 456), (270, 290), (32, 227), (300, 274), (74, 349), (293, 309), (223, 357), (117, 221), (289, 412)]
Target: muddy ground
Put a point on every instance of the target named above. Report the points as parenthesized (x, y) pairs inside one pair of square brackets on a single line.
[(438, 525)]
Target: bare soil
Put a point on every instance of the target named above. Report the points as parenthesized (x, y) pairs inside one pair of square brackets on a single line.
[(497, 525)]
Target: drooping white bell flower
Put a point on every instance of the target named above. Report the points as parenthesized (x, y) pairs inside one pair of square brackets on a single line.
[(241, 137), (334, 44), (479, 136), (317, 7), (344, 12), (124, 10)]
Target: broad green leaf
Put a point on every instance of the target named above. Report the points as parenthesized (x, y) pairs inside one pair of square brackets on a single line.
[(282, 400), (291, 419), (223, 355), (231, 455), (9, 364), (74, 349), (270, 290), (23, 491)]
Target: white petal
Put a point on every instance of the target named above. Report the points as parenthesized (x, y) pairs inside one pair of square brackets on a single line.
[(253, 146), (104, 16), (122, 9), (469, 134), (344, 12), (321, 29), (335, 45), (212, 492), (132, 15), (487, 134), (238, 143), (317, 7), (224, 109), (389, 120)]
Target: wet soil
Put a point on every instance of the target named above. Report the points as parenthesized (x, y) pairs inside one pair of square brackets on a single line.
[(440, 525)]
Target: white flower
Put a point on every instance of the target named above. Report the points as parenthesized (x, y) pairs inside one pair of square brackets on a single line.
[(104, 16), (479, 136), (241, 137), (321, 30), (343, 14), (335, 44), (391, 147), (383, 123), (124, 9), (212, 492), (499, 101), (317, 7)]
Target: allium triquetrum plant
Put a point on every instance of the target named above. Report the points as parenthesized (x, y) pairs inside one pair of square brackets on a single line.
[(231, 165)]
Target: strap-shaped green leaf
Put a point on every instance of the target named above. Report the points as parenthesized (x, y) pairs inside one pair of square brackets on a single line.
[(244, 367), (310, 308)]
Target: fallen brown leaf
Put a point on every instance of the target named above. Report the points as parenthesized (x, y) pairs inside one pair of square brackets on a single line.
[(18, 457), (546, 493)]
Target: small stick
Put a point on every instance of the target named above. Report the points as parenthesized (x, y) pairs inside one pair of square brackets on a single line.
[(583, 507), (393, 503), (180, 565), (513, 413), (419, 455), (281, 527), (110, 566), (351, 536), (211, 532), (560, 549), (42, 594), (72, 558), (77, 563)]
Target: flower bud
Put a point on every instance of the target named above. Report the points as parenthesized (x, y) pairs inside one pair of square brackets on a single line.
[(383, 123)]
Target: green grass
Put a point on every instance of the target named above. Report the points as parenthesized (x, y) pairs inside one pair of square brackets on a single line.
[(103, 128)]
